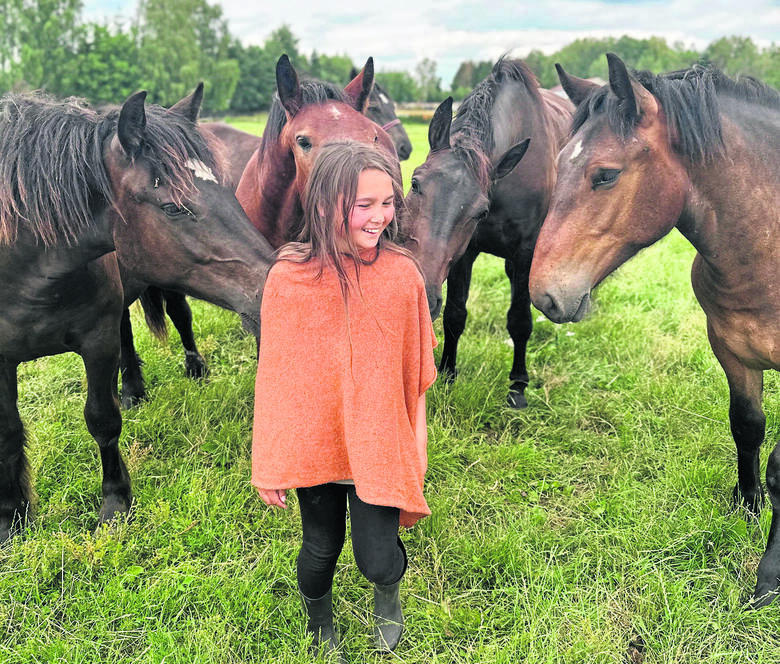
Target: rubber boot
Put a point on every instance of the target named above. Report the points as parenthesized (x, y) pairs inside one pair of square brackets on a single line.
[(388, 617), (319, 614)]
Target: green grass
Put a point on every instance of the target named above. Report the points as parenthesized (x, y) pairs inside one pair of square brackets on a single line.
[(558, 535)]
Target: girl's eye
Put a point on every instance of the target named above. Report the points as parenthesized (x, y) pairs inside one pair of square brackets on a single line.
[(172, 210), (604, 178)]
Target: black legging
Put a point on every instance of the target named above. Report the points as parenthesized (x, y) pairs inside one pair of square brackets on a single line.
[(378, 551)]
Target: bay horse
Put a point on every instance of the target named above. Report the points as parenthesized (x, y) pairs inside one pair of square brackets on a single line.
[(79, 187), (698, 151), (381, 109), (234, 147), (305, 114), (473, 194)]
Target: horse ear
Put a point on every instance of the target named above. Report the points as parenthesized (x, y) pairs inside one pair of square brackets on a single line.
[(439, 129), (189, 107), (287, 86), (358, 90), (620, 84), (510, 159), (131, 126), (576, 89)]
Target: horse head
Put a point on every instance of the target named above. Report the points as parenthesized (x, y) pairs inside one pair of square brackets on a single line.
[(176, 223)]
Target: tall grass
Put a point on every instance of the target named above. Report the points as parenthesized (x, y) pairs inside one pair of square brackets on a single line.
[(595, 526)]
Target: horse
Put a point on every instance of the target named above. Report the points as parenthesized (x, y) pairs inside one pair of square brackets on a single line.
[(235, 147), (305, 114), (474, 194), (381, 109), (699, 151), (78, 188)]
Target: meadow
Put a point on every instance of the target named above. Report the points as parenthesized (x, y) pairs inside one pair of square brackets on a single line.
[(596, 526)]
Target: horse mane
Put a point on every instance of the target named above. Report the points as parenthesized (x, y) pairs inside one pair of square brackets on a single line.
[(313, 91), (689, 98), (472, 127), (52, 176)]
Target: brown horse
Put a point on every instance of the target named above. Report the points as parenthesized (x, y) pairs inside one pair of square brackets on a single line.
[(308, 114), (473, 194), (234, 148), (78, 188), (699, 151)]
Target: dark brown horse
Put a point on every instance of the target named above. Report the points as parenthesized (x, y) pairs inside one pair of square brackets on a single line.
[(235, 147), (471, 195), (699, 151), (78, 187), (308, 114)]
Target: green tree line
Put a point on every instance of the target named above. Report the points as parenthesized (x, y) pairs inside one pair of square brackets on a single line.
[(171, 45)]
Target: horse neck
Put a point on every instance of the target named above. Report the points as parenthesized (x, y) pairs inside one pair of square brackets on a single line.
[(268, 192), (731, 215)]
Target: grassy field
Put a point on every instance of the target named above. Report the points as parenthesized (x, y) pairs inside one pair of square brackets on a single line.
[(596, 526)]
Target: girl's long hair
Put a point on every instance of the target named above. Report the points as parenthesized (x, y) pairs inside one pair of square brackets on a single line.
[(328, 199)]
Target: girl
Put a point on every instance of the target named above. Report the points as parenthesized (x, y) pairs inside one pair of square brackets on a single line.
[(345, 360)]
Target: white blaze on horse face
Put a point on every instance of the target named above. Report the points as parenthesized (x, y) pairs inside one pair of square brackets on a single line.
[(576, 151), (336, 113), (201, 170)]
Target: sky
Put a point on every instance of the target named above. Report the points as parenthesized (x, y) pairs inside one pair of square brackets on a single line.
[(399, 34)]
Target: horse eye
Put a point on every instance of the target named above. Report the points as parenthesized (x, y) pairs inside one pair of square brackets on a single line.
[(303, 142), (415, 186), (604, 177), (172, 210), (482, 215)]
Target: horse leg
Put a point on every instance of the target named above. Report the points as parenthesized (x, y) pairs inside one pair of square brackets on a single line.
[(768, 575), (133, 390), (519, 324), (104, 422), (180, 313), (455, 312), (747, 420), (15, 490)]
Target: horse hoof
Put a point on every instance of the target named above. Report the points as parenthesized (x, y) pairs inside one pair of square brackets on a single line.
[(131, 400), (761, 599), (114, 508), (751, 504), (516, 400), (195, 365)]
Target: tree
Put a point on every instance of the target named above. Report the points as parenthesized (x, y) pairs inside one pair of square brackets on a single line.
[(105, 65), (183, 42), (257, 79), (282, 41), (429, 84), (38, 41), (734, 55), (399, 85)]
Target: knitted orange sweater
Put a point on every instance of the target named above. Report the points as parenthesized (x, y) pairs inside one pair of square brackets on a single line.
[(337, 388)]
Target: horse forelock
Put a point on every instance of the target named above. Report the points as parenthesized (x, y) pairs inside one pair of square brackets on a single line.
[(689, 99), (178, 153), (52, 176)]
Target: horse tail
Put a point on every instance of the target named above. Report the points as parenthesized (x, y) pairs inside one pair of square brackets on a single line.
[(153, 304)]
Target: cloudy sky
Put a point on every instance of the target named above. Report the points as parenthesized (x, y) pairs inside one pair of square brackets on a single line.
[(400, 33)]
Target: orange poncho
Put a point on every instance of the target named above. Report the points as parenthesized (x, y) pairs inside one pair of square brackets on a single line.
[(337, 389)]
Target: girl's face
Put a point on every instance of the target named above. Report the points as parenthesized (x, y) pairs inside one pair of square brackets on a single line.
[(373, 210)]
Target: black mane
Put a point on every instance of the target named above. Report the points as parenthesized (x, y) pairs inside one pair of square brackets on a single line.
[(689, 98), (52, 175), (472, 126)]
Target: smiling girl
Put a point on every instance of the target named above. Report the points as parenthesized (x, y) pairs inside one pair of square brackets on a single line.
[(345, 360)]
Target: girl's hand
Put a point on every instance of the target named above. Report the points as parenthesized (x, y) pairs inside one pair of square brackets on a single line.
[(274, 497)]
